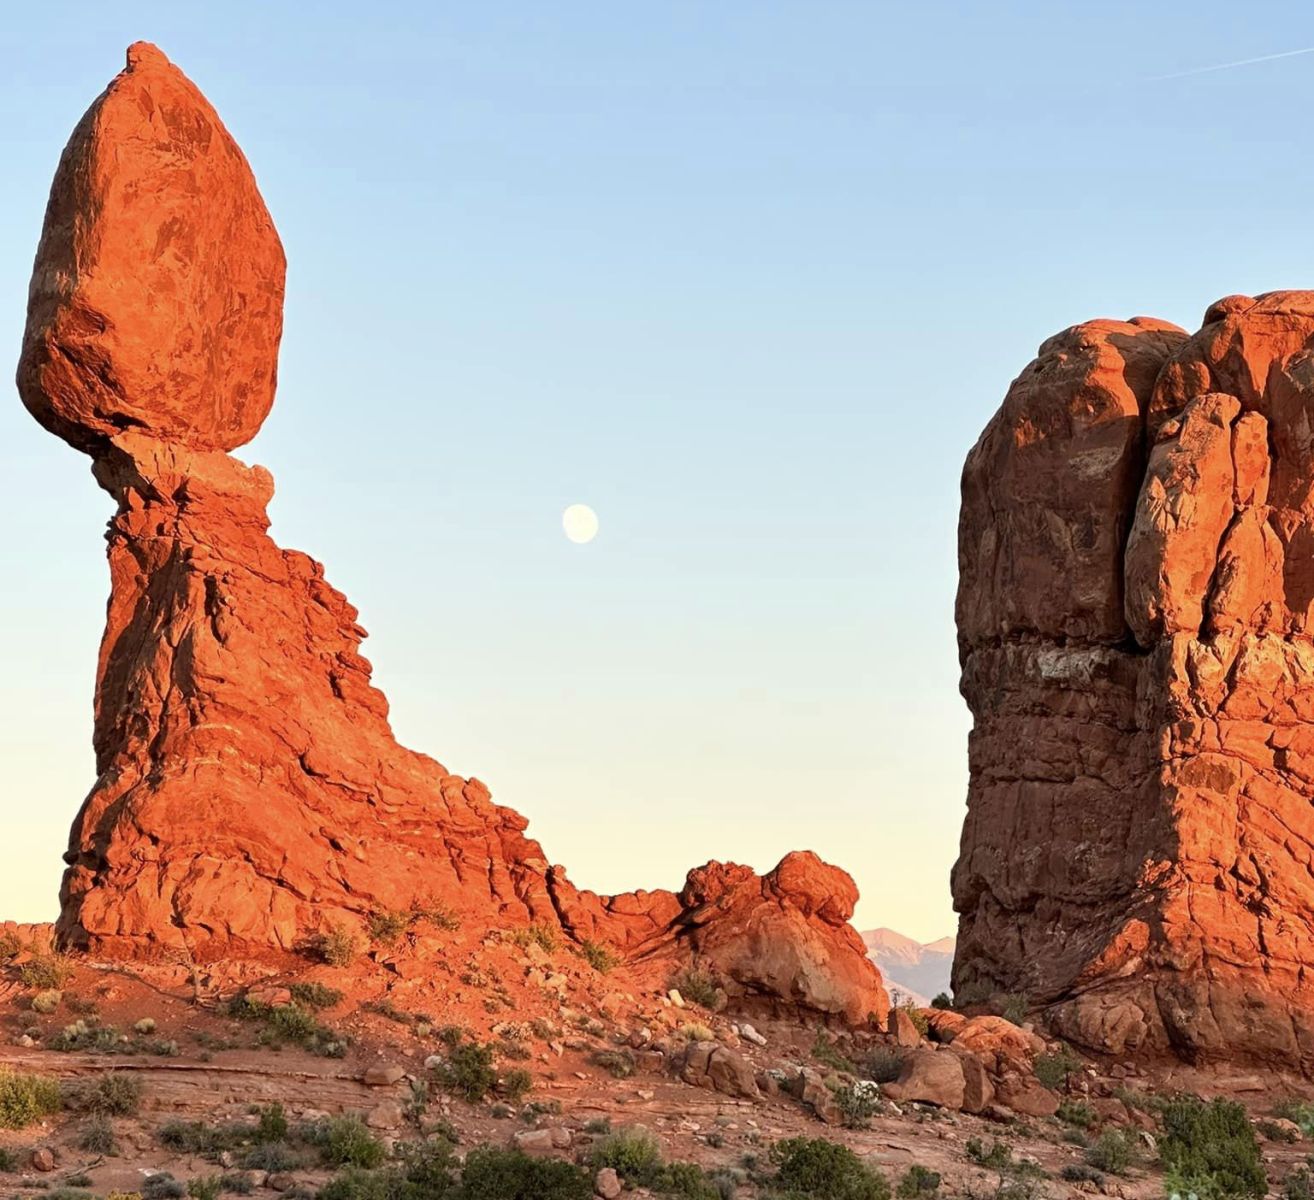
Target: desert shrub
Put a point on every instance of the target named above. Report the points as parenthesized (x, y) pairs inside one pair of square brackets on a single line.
[(858, 1103), (47, 1002), (387, 927), (515, 1085), (942, 1000), (289, 1023), (274, 1157), (598, 1125), (440, 915), (918, 1182), (997, 1156), (1111, 1153), (468, 1071), (1053, 1069), (78, 1181), (46, 972), (698, 987), (697, 1033), (1299, 1185), (883, 1064), (205, 1187), (617, 1063), (26, 1098), (1210, 1149), (272, 1125), (10, 946), (197, 1137), (355, 1183), (915, 1014), (539, 935), (688, 1181), (97, 1137), (315, 995), (633, 1153), (347, 1142), (825, 1051), (1076, 1113), (494, 1174), (598, 956), (1082, 1173), (162, 1186), (1014, 1007), (114, 1094), (338, 946), (236, 1183), (822, 1170), (64, 1192)]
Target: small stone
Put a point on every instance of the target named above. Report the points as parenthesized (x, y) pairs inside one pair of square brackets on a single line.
[(607, 1184), (383, 1075), (676, 998), (385, 1116), (43, 1159), (749, 1034), (145, 1025), (537, 1143)]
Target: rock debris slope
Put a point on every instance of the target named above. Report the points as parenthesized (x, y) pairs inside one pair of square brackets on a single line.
[(1136, 552), (250, 795)]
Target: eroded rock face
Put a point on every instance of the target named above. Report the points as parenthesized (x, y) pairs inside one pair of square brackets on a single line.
[(1136, 579), (250, 794)]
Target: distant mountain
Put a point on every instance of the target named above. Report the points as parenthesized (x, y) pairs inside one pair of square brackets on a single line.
[(918, 971)]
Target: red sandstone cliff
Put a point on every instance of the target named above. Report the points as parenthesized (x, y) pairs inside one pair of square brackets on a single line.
[(1136, 552), (250, 794)]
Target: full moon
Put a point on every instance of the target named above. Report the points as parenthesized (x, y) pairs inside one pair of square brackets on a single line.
[(580, 523)]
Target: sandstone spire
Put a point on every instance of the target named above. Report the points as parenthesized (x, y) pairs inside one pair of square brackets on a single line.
[(1136, 553), (250, 794)]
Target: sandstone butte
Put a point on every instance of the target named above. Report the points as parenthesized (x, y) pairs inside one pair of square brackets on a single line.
[(250, 795), (1136, 554)]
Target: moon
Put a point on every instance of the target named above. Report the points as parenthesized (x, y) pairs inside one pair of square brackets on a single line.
[(580, 523)]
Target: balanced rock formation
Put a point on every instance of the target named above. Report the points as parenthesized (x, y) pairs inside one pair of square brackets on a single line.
[(1136, 553), (250, 795)]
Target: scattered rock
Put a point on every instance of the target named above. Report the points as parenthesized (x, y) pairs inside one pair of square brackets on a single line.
[(383, 1075), (43, 1159), (607, 1184), (930, 1077)]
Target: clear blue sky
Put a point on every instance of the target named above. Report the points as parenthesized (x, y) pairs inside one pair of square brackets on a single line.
[(748, 278)]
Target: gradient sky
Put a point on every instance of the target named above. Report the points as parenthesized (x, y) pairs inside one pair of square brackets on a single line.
[(748, 278)]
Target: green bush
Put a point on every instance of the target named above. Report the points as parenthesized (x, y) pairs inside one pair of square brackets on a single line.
[(387, 927), (688, 1181), (821, 1170), (8, 1159), (492, 1174), (698, 987), (468, 1071), (1082, 1173), (884, 1064), (113, 1095), (26, 1098), (598, 956), (515, 1085), (315, 995), (339, 946), (825, 1051), (236, 1183), (997, 1156), (355, 1183), (942, 1000), (272, 1125), (541, 936), (97, 1137), (633, 1153), (1210, 1149), (1014, 1007), (1111, 1153), (289, 1023), (858, 1103), (1053, 1069), (162, 1186), (919, 1019), (346, 1142), (617, 1063), (273, 1157), (918, 1182), (205, 1187), (46, 972), (1299, 1185), (1076, 1113)]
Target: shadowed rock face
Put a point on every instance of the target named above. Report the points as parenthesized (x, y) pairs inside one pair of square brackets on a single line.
[(250, 794), (1136, 552)]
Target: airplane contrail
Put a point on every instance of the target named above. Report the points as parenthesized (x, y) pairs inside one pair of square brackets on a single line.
[(1227, 66)]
